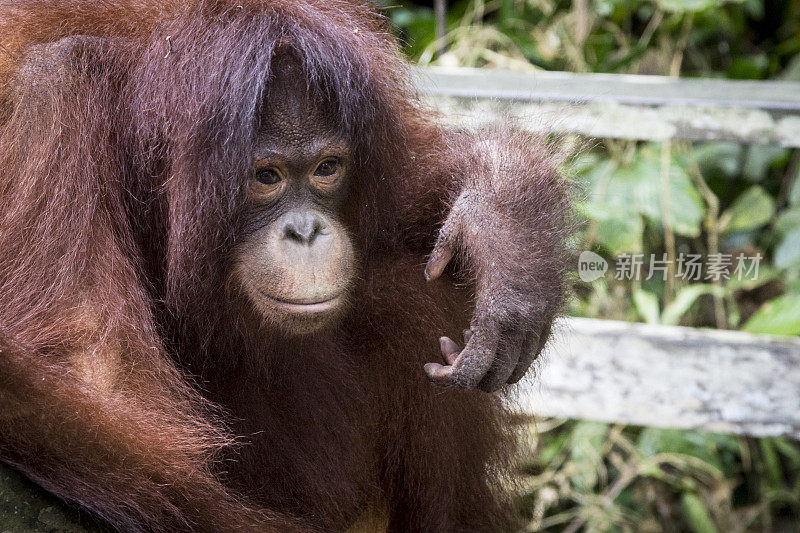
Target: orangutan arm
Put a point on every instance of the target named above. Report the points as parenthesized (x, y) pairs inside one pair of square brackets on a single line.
[(135, 453), (501, 209)]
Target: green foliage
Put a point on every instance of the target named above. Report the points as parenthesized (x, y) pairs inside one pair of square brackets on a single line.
[(696, 514), (688, 5), (586, 447), (592, 476), (780, 316), (746, 39), (714, 450), (751, 210), (787, 227), (647, 305), (619, 194), (636, 195)]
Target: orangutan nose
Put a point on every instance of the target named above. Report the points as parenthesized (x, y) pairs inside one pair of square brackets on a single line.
[(303, 227)]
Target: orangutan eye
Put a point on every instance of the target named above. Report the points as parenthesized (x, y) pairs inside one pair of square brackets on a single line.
[(268, 176), (267, 184), (327, 168)]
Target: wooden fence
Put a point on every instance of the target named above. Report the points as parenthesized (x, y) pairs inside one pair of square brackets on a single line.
[(633, 373), (620, 106)]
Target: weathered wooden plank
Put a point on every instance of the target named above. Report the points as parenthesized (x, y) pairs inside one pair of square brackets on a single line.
[(723, 381), (619, 106), (620, 88)]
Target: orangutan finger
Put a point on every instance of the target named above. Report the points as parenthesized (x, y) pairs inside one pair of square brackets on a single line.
[(439, 374), (445, 246), (474, 361), (504, 362), (469, 367), (530, 351), (440, 256), (450, 350)]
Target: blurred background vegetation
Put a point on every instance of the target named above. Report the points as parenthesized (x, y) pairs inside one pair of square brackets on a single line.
[(726, 198)]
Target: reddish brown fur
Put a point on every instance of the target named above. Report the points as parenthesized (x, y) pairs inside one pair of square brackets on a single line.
[(119, 156)]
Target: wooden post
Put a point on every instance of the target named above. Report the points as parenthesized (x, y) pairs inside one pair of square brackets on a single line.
[(440, 9)]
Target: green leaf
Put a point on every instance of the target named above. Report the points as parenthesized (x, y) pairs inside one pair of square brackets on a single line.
[(703, 445), (719, 159), (684, 300), (794, 192), (585, 448), (418, 25), (619, 236), (696, 514), (787, 252), (554, 446), (687, 5), (610, 190), (780, 316), (788, 220), (686, 208), (753, 8), (760, 157), (647, 306), (789, 450), (619, 195), (751, 210), (746, 68), (791, 71), (772, 463)]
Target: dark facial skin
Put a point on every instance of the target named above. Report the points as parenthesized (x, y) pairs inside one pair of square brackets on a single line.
[(296, 263)]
